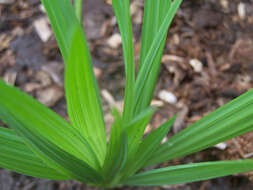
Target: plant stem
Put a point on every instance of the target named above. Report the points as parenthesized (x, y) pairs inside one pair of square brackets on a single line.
[(78, 4)]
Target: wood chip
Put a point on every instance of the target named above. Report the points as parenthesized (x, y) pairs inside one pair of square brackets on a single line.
[(42, 28), (50, 96)]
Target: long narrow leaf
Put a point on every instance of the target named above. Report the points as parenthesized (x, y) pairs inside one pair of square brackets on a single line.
[(154, 13), (54, 156), (83, 101), (122, 12), (64, 23), (16, 156), (36, 117), (230, 120), (150, 65), (190, 173)]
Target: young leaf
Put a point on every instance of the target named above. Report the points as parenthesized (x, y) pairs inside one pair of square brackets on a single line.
[(83, 101), (64, 23), (117, 149), (16, 106), (147, 147), (78, 9), (154, 13), (190, 173), (230, 120), (122, 12), (136, 128), (147, 74), (16, 156)]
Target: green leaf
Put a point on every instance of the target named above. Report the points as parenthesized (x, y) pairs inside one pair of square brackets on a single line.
[(150, 61), (78, 9), (230, 120), (190, 173), (147, 148), (154, 13), (16, 106), (16, 156), (83, 101), (64, 23), (136, 128), (117, 149), (51, 154), (122, 12)]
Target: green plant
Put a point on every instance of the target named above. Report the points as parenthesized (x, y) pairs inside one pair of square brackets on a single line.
[(42, 144)]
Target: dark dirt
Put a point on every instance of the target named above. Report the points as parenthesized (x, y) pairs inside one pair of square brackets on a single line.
[(215, 36)]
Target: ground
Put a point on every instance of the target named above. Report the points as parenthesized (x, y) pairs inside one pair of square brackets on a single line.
[(207, 62)]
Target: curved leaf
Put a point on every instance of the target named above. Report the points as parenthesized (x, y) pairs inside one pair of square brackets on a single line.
[(231, 120), (190, 173), (148, 72), (154, 13), (122, 11), (17, 107), (16, 156), (83, 100)]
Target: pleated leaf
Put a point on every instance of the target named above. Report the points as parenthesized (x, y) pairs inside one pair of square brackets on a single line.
[(136, 128), (231, 120), (147, 147), (150, 61), (122, 11), (117, 149), (190, 173), (54, 156), (154, 13), (17, 107), (83, 100), (16, 156), (64, 23)]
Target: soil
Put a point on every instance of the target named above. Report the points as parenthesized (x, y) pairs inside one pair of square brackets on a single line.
[(208, 61)]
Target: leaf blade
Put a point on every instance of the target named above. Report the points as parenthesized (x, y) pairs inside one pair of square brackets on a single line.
[(83, 100), (147, 148), (148, 72), (16, 156), (154, 12), (69, 34), (231, 120), (135, 130), (122, 11), (117, 150), (190, 173), (30, 114)]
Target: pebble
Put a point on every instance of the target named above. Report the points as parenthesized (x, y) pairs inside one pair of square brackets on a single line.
[(114, 41), (221, 146), (241, 9), (157, 103), (167, 97), (55, 70), (196, 65), (42, 28)]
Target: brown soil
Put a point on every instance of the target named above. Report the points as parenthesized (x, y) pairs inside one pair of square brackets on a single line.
[(216, 34)]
